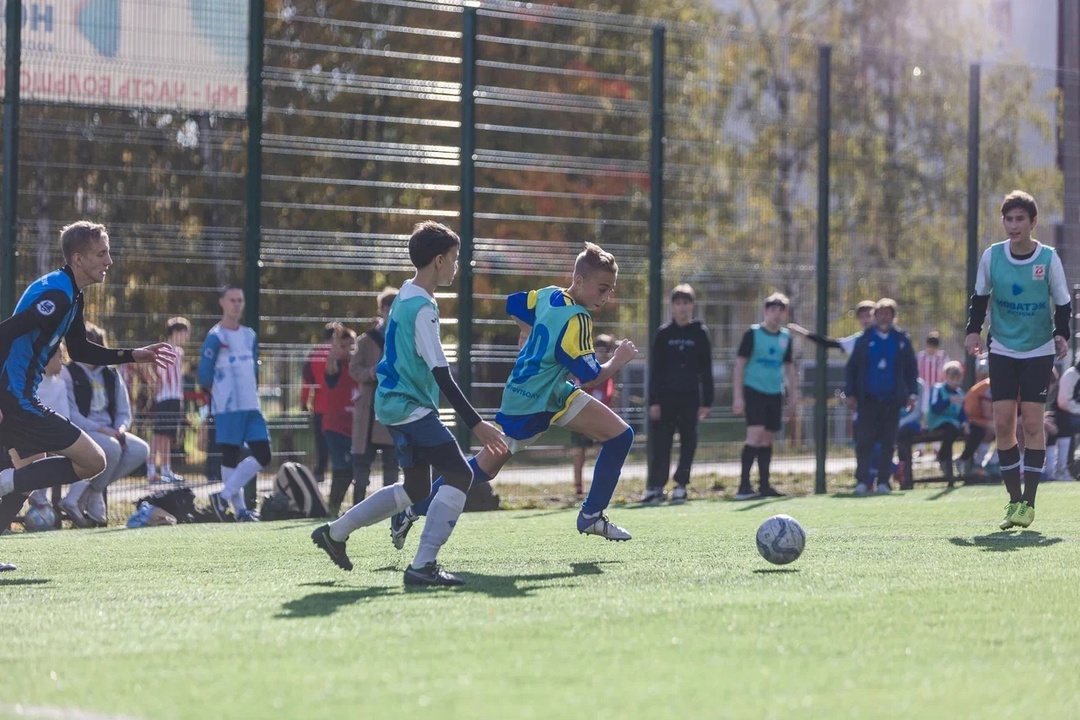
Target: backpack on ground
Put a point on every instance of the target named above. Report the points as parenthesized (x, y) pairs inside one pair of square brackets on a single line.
[(277, 506), (178, 502), (298, 482)]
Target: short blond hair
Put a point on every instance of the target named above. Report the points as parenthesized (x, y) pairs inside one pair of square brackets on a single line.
[(594, 258), (953, 367)]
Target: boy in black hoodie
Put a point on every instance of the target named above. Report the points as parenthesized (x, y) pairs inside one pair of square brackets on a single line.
[(680, 394)]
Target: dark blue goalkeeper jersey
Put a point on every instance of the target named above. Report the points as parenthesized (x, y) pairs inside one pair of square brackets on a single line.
[(49, 311)]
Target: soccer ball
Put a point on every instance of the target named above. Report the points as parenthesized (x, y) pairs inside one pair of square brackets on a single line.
[(39, 518), (781, 539)]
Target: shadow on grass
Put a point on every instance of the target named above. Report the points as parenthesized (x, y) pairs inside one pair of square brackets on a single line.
[(943, 492), (775, 571), (1006, 541), (867, 496), (515, 586), (11, 582), (323, 604), (532, 514), (759, 502)]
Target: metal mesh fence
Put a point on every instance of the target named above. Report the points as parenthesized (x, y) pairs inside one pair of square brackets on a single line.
[(362, 138)]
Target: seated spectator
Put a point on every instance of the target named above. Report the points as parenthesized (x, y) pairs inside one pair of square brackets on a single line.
[(100, 406), (978, 407), (946, 415), (911, 424), (1068, 413)]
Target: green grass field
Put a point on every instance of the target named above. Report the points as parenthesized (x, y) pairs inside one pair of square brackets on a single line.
[(901, 607)]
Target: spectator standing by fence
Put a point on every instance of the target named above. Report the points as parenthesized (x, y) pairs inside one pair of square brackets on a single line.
[(167, 413), (369, 436), (339, 389), (762, 368), (880, 379), (228, 368), (680, 394), (313, 399)]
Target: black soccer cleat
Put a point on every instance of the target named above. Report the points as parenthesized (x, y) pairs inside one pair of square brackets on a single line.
[(336, 550), (430, 574)]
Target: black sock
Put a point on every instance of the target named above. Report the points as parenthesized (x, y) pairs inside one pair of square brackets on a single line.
[(764, 457), (44, 473), (748, 455), (1010, 472), (1033, 467)]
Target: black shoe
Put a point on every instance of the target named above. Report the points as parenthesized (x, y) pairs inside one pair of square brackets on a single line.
[(5, 567), (336, 550), (770, 491), (219, 507), (430, 574), (653, 496)]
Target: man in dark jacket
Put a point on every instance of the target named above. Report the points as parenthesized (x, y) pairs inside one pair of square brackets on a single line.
[(680, 394), (881, 377)]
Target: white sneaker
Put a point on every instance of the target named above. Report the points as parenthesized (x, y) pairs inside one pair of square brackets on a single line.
[(95, 507), (601, 526), (883, 489), (862, 489), (71, 507)]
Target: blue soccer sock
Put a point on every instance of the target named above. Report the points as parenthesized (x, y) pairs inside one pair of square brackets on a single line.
[(609, 464), (479, 476)]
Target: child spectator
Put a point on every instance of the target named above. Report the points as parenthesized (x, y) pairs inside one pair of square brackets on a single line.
[(167, 414)]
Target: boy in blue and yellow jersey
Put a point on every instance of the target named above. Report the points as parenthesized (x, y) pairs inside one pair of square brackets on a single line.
[(556, 342), (49, 311), (1029, 323), (762, 367), (411, 374)]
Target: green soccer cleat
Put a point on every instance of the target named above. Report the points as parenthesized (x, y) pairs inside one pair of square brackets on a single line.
[(1007, 523), (1023, 515)]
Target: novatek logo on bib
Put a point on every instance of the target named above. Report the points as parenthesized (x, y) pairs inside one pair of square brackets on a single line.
[(46, 307)]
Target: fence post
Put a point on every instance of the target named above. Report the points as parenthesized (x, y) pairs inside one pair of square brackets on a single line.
[(253, 229), (821, 387), (656, 207), (972, 193), (468, 212), (12, 69)]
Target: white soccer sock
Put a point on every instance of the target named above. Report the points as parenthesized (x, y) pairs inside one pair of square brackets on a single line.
[(75, 491), (226, 473), (1063, 444), (442, 516), (244, 473), (151, 470), (375, 508)]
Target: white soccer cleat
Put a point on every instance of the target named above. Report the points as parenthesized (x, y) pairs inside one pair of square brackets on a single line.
[(600, 525)]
